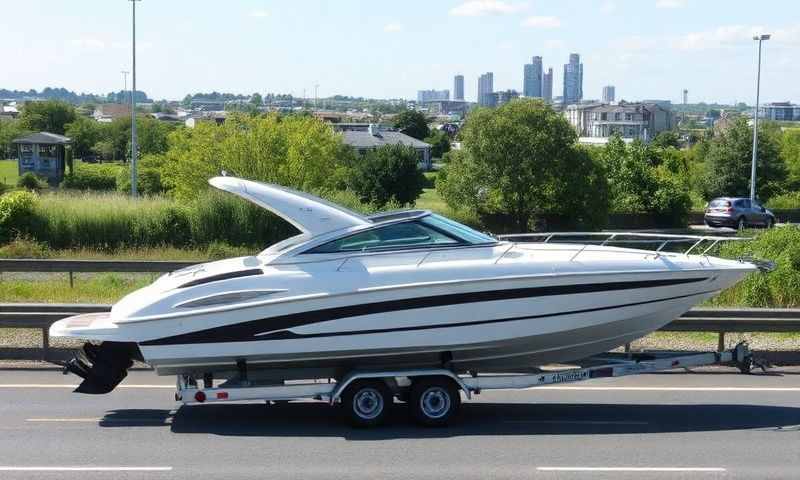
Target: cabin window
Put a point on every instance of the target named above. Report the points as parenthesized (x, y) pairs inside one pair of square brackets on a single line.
[(391, 237)]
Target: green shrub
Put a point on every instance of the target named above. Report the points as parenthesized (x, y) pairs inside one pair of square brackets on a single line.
[(86, 176), (30, 181), (148, 181), (789, 200), (22, 247), (779, 288), (16, 213)]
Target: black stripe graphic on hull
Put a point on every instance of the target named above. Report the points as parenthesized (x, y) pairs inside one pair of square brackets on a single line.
[(249, 330), (289, 335)]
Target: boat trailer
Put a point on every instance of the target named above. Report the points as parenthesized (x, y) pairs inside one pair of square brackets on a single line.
[(432, 393)]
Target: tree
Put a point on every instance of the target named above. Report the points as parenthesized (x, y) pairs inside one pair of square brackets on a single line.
[(412, 123), (440, 143), (647, 179), (666, 139), (48, 116), (85, 133), (152, 135), (522, 159), (256, 100), (729, 158), (9, 130), (790, 154), (294, 151), (387, 173)]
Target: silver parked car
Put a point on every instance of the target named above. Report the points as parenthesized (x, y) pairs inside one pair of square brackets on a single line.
[(736, 212)]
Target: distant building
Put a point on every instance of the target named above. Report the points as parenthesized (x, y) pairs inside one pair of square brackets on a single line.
[(448, 107), (573, 79), (217, 118), (108, 112), (485, 89), (458, 87), (608, 94), (424, 96), (503, 97), (547, 86), (44, 154), (8, 112), (685, 96), (532, 85), (374, 137), (780, 112), (630, 120)]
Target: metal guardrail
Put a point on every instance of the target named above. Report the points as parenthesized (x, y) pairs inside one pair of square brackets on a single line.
[(717, 320), (71, 266)]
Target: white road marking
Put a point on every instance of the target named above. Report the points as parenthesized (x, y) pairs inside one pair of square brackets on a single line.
[(93, 420), (84, 469), (580, 422), (51, 385), (671, 389), (630, 469)]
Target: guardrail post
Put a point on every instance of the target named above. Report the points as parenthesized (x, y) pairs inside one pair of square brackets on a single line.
[(721, 342), (45, 343), (71, 285)]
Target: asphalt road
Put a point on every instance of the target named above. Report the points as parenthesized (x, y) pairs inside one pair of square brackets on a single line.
[(676, 425)]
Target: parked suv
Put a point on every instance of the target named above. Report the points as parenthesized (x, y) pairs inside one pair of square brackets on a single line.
[(737, 213)]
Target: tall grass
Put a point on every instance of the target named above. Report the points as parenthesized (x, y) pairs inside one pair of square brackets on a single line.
[(109, 221), (779, 288)]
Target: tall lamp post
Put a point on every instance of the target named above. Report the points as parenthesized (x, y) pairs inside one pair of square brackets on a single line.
[(134, 148), (759, 39), (124, 83)]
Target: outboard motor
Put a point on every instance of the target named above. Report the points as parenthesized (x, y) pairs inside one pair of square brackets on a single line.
[(102, 367)]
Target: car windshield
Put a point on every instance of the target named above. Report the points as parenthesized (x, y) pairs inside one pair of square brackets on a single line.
[(719, 203)]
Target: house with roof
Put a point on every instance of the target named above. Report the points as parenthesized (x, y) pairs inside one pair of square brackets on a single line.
[(44, 154), (373, 136), (108, 112)]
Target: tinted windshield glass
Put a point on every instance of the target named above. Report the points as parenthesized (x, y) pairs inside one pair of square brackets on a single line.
[(456, 229), (395, 236)]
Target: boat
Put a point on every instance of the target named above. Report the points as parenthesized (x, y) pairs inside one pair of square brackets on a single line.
[(407, 289)]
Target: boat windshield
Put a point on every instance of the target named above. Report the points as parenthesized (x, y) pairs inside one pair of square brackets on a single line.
[(456, 229)]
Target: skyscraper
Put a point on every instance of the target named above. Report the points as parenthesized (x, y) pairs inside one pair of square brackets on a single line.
[(458, 87), (485, 89), (573, 79), (608, 94), (547, 85), (532, 80)]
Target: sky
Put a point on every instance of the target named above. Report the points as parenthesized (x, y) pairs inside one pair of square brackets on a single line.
[(648, 49)]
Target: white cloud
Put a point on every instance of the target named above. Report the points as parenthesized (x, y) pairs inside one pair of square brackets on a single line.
[(608, 6), (541, 22), (89, 43), (393, 28), (720, 37), (479, 8), (670, 3), (259, 14)]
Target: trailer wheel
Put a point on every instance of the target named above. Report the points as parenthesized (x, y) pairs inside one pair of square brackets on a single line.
[(366, 403), (434, 401)]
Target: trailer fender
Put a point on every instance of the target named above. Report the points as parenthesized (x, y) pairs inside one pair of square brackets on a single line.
[(357, 375)]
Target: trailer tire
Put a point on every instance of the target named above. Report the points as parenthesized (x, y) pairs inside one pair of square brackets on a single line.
[(434, 401), (366, 403)]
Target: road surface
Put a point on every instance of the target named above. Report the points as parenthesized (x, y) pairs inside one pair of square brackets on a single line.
[(675, 425)]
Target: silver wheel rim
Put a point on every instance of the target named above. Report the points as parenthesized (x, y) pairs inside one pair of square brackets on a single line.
[(368, 403), (741, 224), (435, 402)]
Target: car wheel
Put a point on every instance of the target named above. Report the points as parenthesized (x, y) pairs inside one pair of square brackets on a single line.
[(770, 223), (434, 401), (741, 225), (366, 403)]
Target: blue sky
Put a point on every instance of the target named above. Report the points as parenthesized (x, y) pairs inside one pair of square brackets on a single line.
[(646, 48)]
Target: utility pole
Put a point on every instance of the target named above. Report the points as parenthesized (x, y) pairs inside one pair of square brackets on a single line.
[(758, 38), (124, 83), (134, 147), (316, 94)]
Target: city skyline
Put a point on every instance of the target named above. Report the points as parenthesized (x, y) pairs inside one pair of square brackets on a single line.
[(266, 46)]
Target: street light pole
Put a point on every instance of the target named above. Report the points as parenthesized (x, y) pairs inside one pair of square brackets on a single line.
[(758, 38), (134, 148)]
